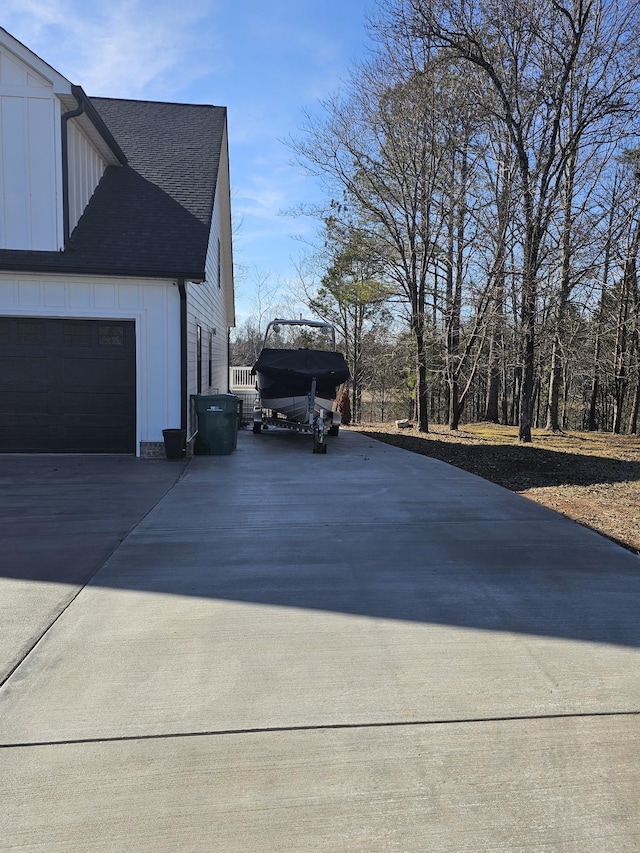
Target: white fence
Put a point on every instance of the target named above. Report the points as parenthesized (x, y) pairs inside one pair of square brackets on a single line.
[(243, 385), (240, 379)]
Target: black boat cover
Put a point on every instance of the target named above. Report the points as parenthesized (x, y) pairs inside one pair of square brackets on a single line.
[(289, 372)]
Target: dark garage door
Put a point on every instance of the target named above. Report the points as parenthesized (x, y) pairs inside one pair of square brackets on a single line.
[(67, 386)]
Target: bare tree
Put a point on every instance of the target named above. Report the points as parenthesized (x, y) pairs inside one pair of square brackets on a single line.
[(611, 195), (380, 148), (268, 302), (627, 296), (527, 55)]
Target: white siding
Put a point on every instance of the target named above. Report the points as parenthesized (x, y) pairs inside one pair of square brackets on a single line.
[(206, 308), (30, 168), (153, 305), (210, 305), (86, 167)]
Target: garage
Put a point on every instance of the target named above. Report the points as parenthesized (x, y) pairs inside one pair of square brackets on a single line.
[(67, 385)]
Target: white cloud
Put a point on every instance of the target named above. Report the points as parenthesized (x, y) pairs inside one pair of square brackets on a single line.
[(262, 199), (269, 195), (117, 48)]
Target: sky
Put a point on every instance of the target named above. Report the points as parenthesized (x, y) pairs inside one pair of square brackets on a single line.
[(267, 61)]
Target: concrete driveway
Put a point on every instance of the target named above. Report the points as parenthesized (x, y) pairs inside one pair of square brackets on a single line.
[(363, 651)]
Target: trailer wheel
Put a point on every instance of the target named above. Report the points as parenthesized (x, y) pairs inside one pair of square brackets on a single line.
[(257, 429), (318, 445), (334, 430)]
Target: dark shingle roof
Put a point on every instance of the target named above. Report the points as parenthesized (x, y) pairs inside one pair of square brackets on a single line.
[(152, 216)]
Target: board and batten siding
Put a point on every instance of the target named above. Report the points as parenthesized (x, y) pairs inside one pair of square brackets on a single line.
[(30, 159), (153, 305), (86, 168), (210, 304)]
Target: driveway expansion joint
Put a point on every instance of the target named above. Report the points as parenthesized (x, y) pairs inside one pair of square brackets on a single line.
[(320, 727)]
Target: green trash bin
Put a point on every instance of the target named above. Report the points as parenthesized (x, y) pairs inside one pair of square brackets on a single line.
[(217, 416)]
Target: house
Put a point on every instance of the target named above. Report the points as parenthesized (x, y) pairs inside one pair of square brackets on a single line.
[(116, 279)]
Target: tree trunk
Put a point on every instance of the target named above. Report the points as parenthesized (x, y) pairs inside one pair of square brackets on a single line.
[(455, 409), (422, 397), (453, 337), (620, 361), (556, 373), (635, 408), (621, 366), (493, 382), (592, 420), (455, 276), (635, 346), (505, 400), (496, 332), (528, 358)]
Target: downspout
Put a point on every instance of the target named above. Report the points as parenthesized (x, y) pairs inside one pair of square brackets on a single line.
[(183, 355), (65, 164)]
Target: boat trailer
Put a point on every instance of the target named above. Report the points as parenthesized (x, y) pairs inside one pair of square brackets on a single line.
[(319, 423)]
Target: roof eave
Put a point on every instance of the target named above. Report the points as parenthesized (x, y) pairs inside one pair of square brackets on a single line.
[(98, 123), (195, 275)]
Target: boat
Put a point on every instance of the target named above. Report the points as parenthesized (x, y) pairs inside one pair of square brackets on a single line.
[(297, 388)]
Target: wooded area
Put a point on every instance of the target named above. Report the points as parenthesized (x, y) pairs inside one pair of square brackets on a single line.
[(482, 226)]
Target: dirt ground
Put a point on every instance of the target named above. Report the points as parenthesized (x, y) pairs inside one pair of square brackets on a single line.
[(593, 478)]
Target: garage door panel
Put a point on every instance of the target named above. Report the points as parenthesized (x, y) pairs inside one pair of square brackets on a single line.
[(78, 405), (67, 386), (19, 403), (31, 333), (94, 372), (94, 438), (18, 438), (29, 368)]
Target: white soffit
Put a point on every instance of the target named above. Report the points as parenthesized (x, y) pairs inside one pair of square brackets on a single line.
[(96, 139)]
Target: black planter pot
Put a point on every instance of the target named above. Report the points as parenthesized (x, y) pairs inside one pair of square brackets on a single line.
[(174, 442)]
